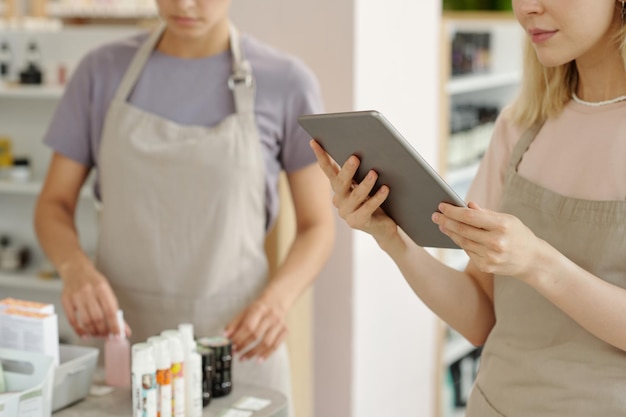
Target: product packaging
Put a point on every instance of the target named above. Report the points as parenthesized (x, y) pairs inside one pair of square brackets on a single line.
[(193, 372)]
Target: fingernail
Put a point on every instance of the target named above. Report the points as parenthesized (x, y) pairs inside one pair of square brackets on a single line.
[(435, 217)]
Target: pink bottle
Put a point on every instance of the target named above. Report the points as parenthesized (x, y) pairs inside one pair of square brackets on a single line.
[(117, 356)]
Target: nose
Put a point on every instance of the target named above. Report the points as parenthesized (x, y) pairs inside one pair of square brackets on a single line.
[(184, 4), (527, 7)]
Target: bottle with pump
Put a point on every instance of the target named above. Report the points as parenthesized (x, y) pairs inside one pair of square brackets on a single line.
[(161, 348), (117, 356), (193, 372), (178, 371), (5, 61), (32, 73)]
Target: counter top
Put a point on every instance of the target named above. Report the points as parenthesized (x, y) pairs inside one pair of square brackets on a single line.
[(118, 404)]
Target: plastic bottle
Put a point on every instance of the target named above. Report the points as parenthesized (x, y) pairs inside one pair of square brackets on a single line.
[(144, 382), (117, 356), (193, 372), (178, 371), (163, 360)]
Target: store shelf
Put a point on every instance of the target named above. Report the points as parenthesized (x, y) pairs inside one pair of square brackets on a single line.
[(32, 188), (37, 92), (455, 349), (28, 280), (464, 84), (115, 11)]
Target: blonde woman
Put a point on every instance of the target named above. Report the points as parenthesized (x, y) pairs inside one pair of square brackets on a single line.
[(545, 287)]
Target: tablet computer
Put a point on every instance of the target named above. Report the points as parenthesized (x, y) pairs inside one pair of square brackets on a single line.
[(415, 187)]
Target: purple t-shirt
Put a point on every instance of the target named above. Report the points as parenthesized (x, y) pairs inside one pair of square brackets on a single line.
[(191, 92)]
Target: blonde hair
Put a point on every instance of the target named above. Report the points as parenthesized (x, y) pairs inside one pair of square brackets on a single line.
[(544, 91)]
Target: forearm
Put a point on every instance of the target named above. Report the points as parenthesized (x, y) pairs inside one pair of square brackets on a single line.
[(305, 259), (596, 305), (455, 296), (58, 236)]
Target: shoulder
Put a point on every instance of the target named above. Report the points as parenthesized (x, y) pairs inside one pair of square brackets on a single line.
[(278, 69), (112, 57), (506, 131)]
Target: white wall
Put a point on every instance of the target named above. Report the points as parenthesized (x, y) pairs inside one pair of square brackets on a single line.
[(374, 340)]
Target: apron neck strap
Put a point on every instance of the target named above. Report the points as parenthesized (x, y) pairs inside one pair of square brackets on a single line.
[(523, 144), (138, 62), (241, 81)]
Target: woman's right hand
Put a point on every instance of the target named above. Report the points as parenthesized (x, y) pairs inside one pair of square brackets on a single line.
[(88, 300), (353, 201)]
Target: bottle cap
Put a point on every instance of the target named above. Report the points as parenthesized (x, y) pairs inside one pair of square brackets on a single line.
[(176, 344), (120, 323), (186, 333), (161, 348)]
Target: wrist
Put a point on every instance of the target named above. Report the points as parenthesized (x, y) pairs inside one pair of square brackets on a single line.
[(77, 262), (275, 296)]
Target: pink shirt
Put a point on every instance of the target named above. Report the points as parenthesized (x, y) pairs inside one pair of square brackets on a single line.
[(580, 154)]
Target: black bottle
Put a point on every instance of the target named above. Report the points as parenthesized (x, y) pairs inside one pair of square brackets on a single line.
[(5, 60), (32, 74)]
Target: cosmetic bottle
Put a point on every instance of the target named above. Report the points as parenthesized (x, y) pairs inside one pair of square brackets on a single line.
[(193, 372), (162, 358), (5, 61), (117, 356), (178, 371), (144, 381), (32, 73)]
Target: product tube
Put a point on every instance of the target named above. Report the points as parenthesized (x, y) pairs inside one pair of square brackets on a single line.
[(163, 363), (193, 372), (178, 371), (144, 382)]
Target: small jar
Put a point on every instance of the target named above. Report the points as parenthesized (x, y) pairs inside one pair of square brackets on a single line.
[(21, 170)]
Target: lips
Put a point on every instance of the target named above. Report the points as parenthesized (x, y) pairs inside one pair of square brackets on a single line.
[(541, 35)]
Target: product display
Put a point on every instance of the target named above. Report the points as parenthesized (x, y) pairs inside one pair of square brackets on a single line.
[(193, 372), (20, 171), (222, 373), (144, 388), (32, 73), (6, 152), (117, 356), (5, 61), (208, 366), (163, 361), (178, 371)]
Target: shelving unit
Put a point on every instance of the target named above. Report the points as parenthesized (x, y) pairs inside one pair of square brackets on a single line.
[(32, 188), (118, 10), (35, 92), (495, 86), (28, 280)]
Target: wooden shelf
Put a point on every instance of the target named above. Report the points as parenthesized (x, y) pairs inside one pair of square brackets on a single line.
[(32, 188), (463, 84), (480, 15), (38, 92), (104, 11), (28, 280)]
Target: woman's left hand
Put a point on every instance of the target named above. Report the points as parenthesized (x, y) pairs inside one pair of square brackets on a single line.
[(258, 330), (497, 243)]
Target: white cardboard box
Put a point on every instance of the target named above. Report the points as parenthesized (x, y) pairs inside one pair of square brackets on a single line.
[(30, 331), (28, 378)]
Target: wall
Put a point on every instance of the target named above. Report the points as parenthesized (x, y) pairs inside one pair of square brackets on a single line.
[(374, 340)]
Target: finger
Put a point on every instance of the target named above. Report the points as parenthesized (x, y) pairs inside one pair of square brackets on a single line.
[(360, 193), (97, 318), (343, 182), (109, 306), (268, 345), (128, 330), (256, 333), (83, 317), (328, 164), (70, 313), (233, 326), (481, 219), (467, 244)]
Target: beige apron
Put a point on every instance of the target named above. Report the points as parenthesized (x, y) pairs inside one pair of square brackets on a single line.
[(538, 362), (182, 227)]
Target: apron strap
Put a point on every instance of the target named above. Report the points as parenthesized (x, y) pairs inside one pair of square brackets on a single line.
[(137, 64), (241, 81), (523, 144)]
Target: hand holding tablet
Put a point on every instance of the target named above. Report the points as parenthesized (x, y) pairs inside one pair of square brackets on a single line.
[(415, 188)]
